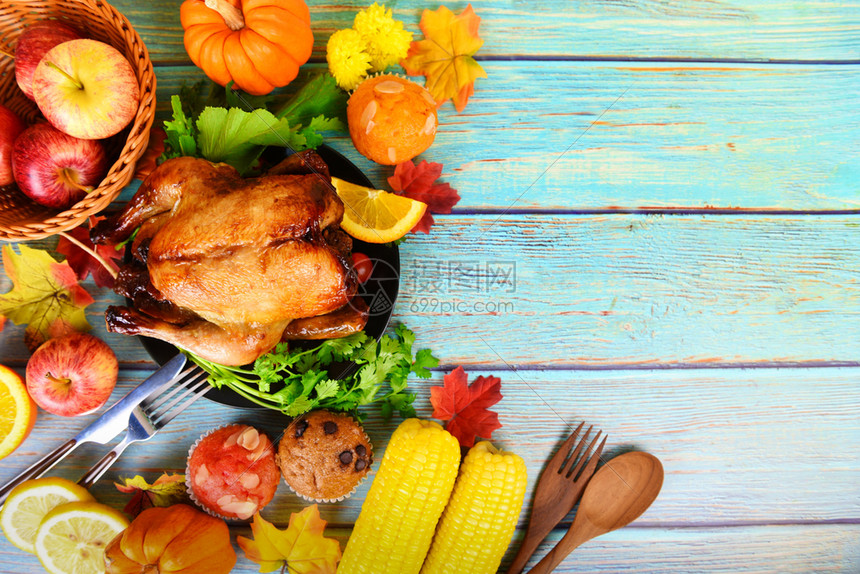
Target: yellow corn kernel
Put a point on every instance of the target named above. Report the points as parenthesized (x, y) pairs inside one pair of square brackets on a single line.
[(409, 492), (479, 521)]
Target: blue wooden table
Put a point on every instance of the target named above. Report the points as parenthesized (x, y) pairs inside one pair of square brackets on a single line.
[(673, 188)]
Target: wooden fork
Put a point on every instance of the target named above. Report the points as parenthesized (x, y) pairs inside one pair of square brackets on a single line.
[(558, 490)]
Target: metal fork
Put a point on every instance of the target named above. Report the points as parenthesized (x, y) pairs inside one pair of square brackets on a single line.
[(151, 416), (558, 490)]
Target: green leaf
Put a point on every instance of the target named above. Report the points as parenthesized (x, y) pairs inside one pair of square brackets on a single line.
[(320, 123), (310, 380), (180, 133), (424, 360), (327, 389), (402, 403), (406, 336), (299, 406), (319, 96), (341, 349), (238, 137), (370, 375)]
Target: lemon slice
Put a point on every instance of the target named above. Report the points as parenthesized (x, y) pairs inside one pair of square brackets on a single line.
[(30, 501), (17, 411), (376, 216), (73, 537)]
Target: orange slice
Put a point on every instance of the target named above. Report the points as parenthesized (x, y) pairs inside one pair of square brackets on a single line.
[(17, 411), (376, 216)]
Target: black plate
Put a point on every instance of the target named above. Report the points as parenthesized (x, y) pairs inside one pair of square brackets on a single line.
[(379, 291)]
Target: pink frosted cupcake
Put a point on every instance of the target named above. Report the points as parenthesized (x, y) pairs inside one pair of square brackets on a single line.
[(231, 472)]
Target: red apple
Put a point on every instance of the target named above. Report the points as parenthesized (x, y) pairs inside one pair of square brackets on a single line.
[(72, 375), (55, 169), (10, 127), (86, 89), (33, 44)]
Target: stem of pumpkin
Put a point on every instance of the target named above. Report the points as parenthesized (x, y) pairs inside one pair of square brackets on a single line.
[(232, 16), (91, 252)]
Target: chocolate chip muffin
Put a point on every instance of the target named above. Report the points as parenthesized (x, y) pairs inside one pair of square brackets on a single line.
[(324, 456)]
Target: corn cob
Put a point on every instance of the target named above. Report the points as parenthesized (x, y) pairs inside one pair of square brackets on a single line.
[(409, 492), (479, 521)]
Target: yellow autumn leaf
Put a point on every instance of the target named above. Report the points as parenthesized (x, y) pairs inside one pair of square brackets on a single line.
[(167, 489), (45, 295), (444, 56), (302, 545)]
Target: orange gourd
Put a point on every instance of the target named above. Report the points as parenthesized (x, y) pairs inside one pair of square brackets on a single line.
[(259, 44), (170, 540)]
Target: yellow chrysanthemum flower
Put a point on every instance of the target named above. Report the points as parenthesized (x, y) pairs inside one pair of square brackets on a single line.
[(348, 60), (385, 39)]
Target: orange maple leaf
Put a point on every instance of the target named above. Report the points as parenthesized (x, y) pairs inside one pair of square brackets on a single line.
[(444, 56), (301, 546)]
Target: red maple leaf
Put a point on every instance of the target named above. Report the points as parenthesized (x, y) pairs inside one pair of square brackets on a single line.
[(465, 406), (83, 263), (417, 182)]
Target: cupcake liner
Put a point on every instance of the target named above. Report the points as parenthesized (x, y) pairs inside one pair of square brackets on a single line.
[(189, 487), (329, 500), (342, 497)]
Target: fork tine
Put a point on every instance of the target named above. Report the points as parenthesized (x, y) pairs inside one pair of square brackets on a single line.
[(190, 392), (575, 454), (592, 462), (557, 461), (199, 391), (164, 394), (572, 470)]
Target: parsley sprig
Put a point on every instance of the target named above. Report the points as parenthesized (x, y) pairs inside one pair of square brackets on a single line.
[(298, 381)]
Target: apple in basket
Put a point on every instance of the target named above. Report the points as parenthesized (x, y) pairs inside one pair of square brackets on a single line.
[(10, 127), (72, 375), (86, 89), (55, 169), (33, 44)]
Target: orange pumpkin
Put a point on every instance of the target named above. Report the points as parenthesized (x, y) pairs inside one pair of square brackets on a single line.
[(170, 540), (259, 44)]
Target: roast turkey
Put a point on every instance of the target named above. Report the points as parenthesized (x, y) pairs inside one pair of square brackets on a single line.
[(222, 265)]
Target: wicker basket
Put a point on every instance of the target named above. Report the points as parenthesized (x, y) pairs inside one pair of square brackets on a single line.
[(20, 218)]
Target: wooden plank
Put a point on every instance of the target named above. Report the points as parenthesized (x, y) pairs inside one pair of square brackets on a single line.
[(767, 549), (754, 30), (728, 438), (596, 136), (754, 550), (602, 291)]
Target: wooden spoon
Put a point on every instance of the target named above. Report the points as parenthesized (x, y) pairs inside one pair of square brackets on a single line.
[(617, 495)]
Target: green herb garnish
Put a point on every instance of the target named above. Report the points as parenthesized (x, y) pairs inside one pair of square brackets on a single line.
[(235, 128), (295, 382)]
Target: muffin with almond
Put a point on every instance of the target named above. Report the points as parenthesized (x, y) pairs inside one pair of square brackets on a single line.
[(391, 119), (324, 456), (231, 472)]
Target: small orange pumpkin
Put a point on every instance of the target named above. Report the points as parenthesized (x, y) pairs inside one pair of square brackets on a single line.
[(259, 44), (178, 538)]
